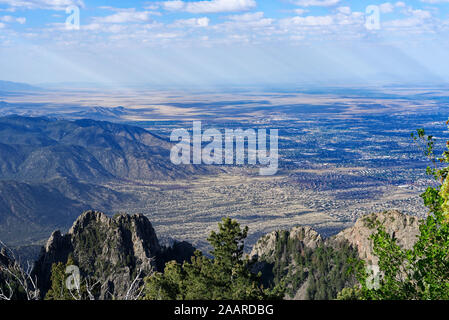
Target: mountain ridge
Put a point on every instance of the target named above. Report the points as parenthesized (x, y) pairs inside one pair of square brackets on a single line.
[(126, 243), (113, 250), (314, 267), (52, 169), (10, 86)]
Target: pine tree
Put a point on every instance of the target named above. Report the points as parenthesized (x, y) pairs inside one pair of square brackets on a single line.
[(58, 289), (423, 271), (225, 276)]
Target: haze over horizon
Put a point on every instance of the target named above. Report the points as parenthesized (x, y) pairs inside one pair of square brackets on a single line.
[(219, 43)]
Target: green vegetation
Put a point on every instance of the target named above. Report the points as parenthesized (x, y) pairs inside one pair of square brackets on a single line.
[(225, 276), (58, 289), (328, 269), (324, 268), (81, 290), (10, 287), (421, 273)]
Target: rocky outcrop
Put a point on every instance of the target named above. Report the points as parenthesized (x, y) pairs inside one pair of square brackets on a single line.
[(293, 258), (266, 245), (276, 252), (403, 227), (111, 250), (5, 259)]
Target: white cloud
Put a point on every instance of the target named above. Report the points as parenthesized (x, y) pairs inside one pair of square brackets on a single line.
[(300, 12), (417, 17), (247, 16), (98, 27), (20, 20), (435, 1), (124, 16), (175, 5), (310, 21), (386, 7), (194, 22), (246, 21), (151, 6), (212, 6), (344, 10), (316, 3), (43, 4), (297, 23), (343, 24), (92, 27), (389, 7), (10, 9), (7, 19)]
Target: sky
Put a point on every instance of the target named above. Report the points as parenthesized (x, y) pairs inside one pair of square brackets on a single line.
[(219, 43)]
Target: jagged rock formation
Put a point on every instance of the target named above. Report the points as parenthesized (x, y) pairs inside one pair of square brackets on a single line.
[(314, 268), (265, 246), (405, 229), (111, 250), (275, 256)]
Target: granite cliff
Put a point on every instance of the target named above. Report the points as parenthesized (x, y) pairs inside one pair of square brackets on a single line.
[(111, 250), (115, 249), (315, 268)]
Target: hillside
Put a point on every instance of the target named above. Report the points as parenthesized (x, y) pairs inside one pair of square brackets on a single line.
[(115, 250), (50, 170), (316, 268), (403, 227), (40, 149), (110, 250), (9, 86), (30, 211)]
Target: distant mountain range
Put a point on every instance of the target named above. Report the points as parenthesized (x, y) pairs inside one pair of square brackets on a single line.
[(73, 112), (51, 169), (9, 86), (41, 149)]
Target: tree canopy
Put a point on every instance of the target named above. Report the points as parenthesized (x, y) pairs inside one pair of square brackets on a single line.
[(420, 273), (225, 276)]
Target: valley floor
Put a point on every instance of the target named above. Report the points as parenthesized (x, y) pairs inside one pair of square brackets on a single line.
[(190, 209)]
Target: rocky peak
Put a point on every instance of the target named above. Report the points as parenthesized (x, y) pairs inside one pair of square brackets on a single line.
[(265, 246), (405, 229), (292, 256), (89, 218), (112, 250), (307, 235)]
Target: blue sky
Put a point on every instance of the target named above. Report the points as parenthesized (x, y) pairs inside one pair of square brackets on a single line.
[(225, 42)]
